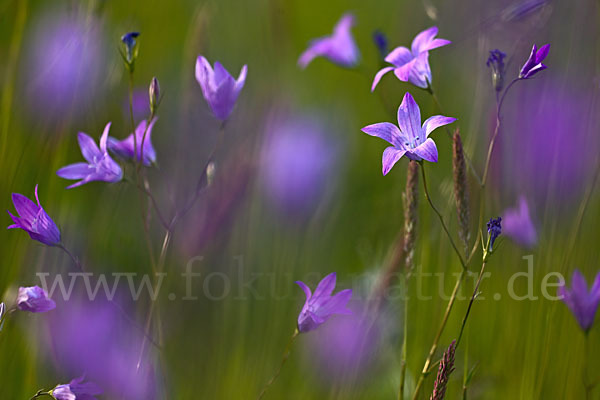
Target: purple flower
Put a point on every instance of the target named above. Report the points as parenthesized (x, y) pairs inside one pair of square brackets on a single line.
[(381, 43), (339, 47), (496, 62), (518, 226), (77, 390), (494, 228), (413, 65), (321, 305), (533, 65), (583, 304), (218, 87), (34, 220), (34, 299), (124, 148), (99, 166), (412, 137)]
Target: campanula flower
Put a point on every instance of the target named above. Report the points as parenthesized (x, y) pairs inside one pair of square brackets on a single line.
[(219, 88), (413, 65), (321, 305), (34, 220), (533, 65), (128, 40), (339, 47), (99, 167), (125, 148), (496, 62), (583, 304), (517, 224), (34, 299), (494, 228), (77, 390), (412, 137)]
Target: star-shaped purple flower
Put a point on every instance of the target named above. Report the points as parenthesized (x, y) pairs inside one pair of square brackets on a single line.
[(533, 65), (583, 304), (321, 305), (34, 220), (77, 390), (517, 224), (412, 137), (339, 47), (99, 167), (34, 299), (219, 88), (413, 65), (124, 148)]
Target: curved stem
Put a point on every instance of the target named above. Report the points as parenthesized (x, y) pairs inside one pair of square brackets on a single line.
[(41, 393), (286, 355), (464, 322)]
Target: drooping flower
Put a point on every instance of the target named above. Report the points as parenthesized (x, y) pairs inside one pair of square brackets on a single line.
[(128, 40), (412, 137), (125, 148), (494, 228), (517, 224), (533, 65), (219, 88), (321, 305), (34, 220), (99, 167), (339, 47), (413, 65), (496, 62), (34, 299), (77, 390), (583, 304)]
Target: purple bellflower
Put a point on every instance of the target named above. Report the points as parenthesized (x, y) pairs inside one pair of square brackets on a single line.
[(77, 390), (99, 167), (413, 65), (494, 228), (412, 137), (219, 88), (583, 304), (34, 220), (517, 224), (321, 305), (34, 299), (533, 65), (339, 47), (124, 148)]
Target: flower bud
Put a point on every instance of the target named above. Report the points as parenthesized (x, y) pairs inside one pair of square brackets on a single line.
[(131, 49), (154, 95), (496, 62)]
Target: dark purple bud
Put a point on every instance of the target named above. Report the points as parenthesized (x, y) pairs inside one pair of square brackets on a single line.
[(494, 228), (381, 43), (496, 62), (130, 45)]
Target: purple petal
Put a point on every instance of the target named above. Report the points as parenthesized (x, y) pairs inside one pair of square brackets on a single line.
[(386, 131), (421, 42), (403, 72), (204, 74), (306, 289), (316, 48), (578, 283), (420, 73), (399, 56), (88, 147), (380, 75), (336, 304), (595, 290), (74, 171), (344, 25), (409, 118), (391, 155), (241, 80), (435, 122), (326, 286), (427, 151), (104, 138), (26, 208), (542, 53)]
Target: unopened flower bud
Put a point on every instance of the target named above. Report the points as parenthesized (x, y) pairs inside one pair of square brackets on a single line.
[(154, 94), (496, 62), (131, 50)]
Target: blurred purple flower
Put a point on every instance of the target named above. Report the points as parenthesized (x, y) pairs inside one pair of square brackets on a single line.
[(339, 47), (583, 304), (321, 305), (77, 390), (34, 220), (99, 167), (34, 299), (124, 148), (413, 65), (140, 105), (533, 65), (412, 137), (381, 43), (494, 228), (517, 224), (219, 88), (496, 62)]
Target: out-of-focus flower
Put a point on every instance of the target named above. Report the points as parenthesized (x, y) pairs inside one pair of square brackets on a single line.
[(496, 62), (125, 148), (412, 137), (381, 43), (517, 224), (522, 9), (77, 390), (533, 65), (154, 95), (34, 299), (494, 228), (131, 49), (413, 65), (583, 304), (219, 88), (339, 47), (444, 370), (321, 305), (99, 167), (34, 220)]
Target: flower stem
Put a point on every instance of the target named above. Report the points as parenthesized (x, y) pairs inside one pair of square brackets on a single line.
[(464, 322), (286, 355), (404, 345), (42, 393)]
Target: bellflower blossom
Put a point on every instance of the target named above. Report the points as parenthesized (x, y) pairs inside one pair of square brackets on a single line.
[(34, 299), (518, 226), (494, 228), (321, 305), (413, 65), (124, 148), (219, 88), (412, 137), (583, 304), (34, 220), (77, 390), (339, 47), (99, 167), (533, 65)]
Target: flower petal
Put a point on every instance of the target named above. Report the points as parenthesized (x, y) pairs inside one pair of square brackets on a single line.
[(316, 48), (391, 155), (542, 53), (74, 171), (427, 151), (306, 289), (403, 72), (409, 118), (26, 208), (326, 286), (88, 147), (104, 138), (204, 75), (380, 75), (335, 305), (435, 122), (578, 283), (423, 40), (399, 56), (386, 131)]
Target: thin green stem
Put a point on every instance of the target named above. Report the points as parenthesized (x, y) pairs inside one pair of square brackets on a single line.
[(404, 344), (475, 291), (586, 367), (41, 393), (286, 355)]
